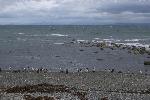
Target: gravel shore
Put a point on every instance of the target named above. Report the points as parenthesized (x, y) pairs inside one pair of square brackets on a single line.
[(100, 85)]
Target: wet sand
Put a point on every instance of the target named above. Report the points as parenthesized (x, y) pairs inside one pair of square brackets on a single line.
[(101, 85)]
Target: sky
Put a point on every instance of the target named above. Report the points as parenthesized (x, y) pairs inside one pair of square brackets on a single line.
[(64, 12)]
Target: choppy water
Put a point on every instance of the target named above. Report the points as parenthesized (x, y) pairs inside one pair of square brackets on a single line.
[(41, 46)]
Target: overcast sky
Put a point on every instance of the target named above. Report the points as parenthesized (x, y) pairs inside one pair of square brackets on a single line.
[(74, 11)]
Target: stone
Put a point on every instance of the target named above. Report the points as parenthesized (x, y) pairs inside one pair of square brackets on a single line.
[(104, 98), (146, 62)]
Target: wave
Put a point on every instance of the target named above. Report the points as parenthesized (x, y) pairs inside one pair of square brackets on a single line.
[(38, 35), (136, 44), (59, 43), (111, 40), (133, 40), (21, 33), (21, 39), (60, 35)]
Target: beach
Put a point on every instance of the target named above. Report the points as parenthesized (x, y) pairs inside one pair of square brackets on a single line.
[(75, 62), (101, 85)]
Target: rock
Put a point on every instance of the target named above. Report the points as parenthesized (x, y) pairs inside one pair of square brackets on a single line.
[(146, 62), (112, 70), (57, 56), (111, 48), (67, 71), (102, 45), (81, 50), (102, 48), (79, 70), (99, 59), (0, 69), (104, 98), (116, 45), (120, 72), (16, 71), (81, 95), (123, 47), (95, 52), (73, 39), (29, 97)]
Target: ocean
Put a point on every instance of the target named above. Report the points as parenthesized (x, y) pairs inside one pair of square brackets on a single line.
[(36, 46)]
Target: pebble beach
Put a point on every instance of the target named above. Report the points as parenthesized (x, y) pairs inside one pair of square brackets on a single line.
[(99, 85), (75, 63)]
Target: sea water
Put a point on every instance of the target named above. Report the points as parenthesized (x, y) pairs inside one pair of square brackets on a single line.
[(42, 46)]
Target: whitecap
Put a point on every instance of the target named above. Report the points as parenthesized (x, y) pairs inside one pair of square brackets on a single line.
[(38, 35), (132, 40), (59, 43), (20, 39), (60, 35), (135, 44), (79, 41), (96, 38), (21, 33), (111, 40)]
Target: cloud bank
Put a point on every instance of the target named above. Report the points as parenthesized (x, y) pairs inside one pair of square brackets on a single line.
[(74, 11)]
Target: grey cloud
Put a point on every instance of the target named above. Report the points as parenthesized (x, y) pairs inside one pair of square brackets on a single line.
[(73, 11), (118, 8)]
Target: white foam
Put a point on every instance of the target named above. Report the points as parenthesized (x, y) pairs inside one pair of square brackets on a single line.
[(82, 41), (60, 35), (38, 35), (20, 39), (59, 43), (108, 39), (132, 40), (135, 44), (111, 40), (95, 41), (21, 33), (96, 38)]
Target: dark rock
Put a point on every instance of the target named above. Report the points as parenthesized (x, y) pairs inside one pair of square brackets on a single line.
[(61, 71), (102, 48), (104, 98), (129, 52), (29, 97), (112, 70), (146, 62), (67, 71), (16, 71), (32, 57), (38, 71), (102, 45), (73, 39), (0, 69), (79, 70), (123, 47), (116, 45), (95, 52), (81, 95), (120, 72), (99, 59), (111, 48), (81, 50), (57, 56)]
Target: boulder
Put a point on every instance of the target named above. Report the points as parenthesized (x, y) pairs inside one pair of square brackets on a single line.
[(146, 62)]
